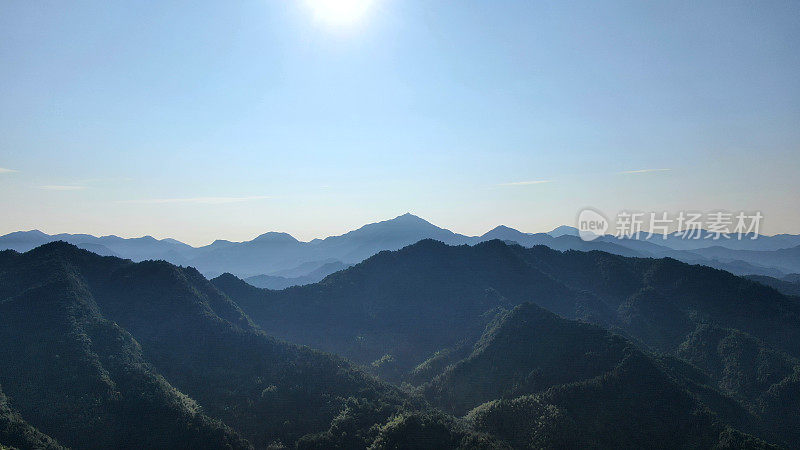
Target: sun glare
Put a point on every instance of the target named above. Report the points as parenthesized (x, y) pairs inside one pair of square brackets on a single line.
[(339, 12)]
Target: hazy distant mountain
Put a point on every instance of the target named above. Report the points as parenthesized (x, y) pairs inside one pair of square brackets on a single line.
[(505, 233), (275, 254), (785, 259), (792, 278), (137, 249), (306, 268), (563, 230), (706, 239), (281, 282), (781, 285)]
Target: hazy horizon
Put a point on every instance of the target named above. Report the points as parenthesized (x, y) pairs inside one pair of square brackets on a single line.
[(200, 244), (200, 120)]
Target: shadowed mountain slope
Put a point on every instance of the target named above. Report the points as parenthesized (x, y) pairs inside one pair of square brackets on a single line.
[(540, 380), (409, 303), (15, 432), (102, 352)]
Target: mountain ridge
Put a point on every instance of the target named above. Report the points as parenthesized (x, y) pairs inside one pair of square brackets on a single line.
[(274, 252)]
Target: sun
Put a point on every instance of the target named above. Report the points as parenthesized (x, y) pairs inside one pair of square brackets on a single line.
[(339, 12)]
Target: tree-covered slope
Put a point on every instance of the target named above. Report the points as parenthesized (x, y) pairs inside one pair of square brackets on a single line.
[(660, 301), (526, 350), (633, 406), (405, 306), (538, 380), (83, 380), (15, 432), (764, 380), (409, 303), (102, 352)]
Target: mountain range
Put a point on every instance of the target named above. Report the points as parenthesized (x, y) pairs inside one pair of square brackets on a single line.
[(278, 260), (493, 345)]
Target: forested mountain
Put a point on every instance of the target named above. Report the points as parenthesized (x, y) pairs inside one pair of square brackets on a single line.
[(437, 287), (17, 433), (661, 305), (538, 380), (406, 304), (100, 352)]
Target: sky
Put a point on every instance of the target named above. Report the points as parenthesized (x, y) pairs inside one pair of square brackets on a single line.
[(203, 120)]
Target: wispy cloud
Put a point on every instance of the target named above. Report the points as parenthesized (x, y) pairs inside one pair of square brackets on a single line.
[(644, 171), (525, 183), (105, 180), (62, 187), (4, 170), (200, 200)]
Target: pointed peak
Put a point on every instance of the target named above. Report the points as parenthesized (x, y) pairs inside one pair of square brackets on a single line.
[(502, 232), (504, 228), (405, 220), (227, 277), (408, 217)]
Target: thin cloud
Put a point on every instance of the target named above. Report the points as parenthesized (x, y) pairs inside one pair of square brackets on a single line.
[(105, 180), (200, 200), (525, 183), (644, 171), (60, 187), (4, 170)]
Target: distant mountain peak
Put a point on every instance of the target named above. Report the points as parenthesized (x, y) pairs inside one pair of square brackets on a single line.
[(409, 218), (563, 230), (275, 236), (405, 221), (504, 228), (502, 232)]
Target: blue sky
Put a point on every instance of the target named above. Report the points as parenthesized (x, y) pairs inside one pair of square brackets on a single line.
[(202, 120)]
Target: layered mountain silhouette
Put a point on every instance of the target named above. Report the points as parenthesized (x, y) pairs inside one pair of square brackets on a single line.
[(788, 285), (282, 282), (99, 352), (278, 260)]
